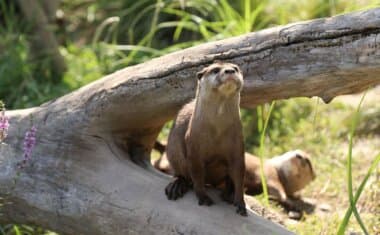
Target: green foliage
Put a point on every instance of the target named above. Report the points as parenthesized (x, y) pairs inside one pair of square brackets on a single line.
[(121, 33), (101, 36), (84, 66), (354, 199), (23, 230), (322, 131), (23, 83), (349, 169), (14, 67), (315, 226)]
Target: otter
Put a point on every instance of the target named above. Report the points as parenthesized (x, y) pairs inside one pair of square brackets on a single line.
[(162, 164), (286, 175), (205, 144)]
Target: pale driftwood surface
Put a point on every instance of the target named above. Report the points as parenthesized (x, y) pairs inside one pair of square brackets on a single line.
[(81, 179)]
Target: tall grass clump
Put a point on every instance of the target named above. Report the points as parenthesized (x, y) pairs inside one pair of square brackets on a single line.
[(354, 198)]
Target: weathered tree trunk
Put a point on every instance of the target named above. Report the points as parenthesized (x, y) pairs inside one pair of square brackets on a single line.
[(83, 177), (50, 8)]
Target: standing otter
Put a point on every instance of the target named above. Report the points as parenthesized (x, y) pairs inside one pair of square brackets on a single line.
[(205, 144)]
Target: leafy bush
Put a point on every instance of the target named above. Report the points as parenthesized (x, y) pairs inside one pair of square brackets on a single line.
[(102, 36)]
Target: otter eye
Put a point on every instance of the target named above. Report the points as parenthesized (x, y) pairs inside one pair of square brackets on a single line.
[(215, 70), (236, 69)]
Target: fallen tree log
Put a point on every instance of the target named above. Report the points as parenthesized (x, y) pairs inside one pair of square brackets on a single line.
[(90, 171)]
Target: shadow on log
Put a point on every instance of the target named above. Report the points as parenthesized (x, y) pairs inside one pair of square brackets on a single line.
[(83, 179)]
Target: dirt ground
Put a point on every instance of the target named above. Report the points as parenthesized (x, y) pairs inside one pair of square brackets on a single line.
[(329, 191)]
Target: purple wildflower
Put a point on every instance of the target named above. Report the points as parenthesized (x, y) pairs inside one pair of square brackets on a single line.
[(29, 143), (4, 125)]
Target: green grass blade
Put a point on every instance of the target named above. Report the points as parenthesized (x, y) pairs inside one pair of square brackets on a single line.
[(254, 17), (153, 26), (134, 8), (178, 30), (2, 231), (352, 133), (16, 230), (349, 173), (99, 30), (262, 129), (137, 18), (316, 112), (343, 225), (229, 13), (247, 15)]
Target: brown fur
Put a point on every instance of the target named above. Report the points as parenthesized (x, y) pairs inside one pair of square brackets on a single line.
[(205, 144), (285, 174), (294, 170), (162, 164)]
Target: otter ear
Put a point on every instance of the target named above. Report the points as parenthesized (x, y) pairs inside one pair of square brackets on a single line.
[(200, 74), (299, 156)]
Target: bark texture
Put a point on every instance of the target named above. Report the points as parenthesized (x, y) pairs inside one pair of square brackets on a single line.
[(89, 172)]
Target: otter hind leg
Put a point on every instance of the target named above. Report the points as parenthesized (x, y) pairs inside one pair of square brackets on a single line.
[(204, 199), (227, 194), (177, 188)]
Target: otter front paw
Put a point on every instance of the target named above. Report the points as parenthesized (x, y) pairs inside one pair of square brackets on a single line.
[(177, 188), (240, 208)]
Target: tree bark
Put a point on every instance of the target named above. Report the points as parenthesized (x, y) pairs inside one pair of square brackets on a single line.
[(50, 8), (83, 177)]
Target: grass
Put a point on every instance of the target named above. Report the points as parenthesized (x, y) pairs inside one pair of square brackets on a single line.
[(324, 137), (262, 124), (108, 36), (349, 174), (353, 199), (322, 130)]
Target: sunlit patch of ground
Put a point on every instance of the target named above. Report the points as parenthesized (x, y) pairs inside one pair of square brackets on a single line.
[(327, 141)]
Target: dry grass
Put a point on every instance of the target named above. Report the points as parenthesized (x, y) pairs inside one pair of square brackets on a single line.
[(326, 139)]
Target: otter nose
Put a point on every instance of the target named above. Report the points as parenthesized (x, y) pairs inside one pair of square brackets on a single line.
[(229, 71)]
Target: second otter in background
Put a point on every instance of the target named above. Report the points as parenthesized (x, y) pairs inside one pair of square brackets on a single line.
[(285, 174)]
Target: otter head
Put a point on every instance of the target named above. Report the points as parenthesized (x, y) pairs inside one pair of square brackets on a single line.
[(295, 170), (223, 78)]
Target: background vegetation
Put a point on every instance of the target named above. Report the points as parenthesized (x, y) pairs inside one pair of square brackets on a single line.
[(97, 37)]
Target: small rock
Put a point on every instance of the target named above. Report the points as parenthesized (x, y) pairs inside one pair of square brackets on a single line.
[(324, 207), (295, 215)]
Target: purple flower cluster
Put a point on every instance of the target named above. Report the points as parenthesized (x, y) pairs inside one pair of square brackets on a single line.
[(29, 143), (4, 125)]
